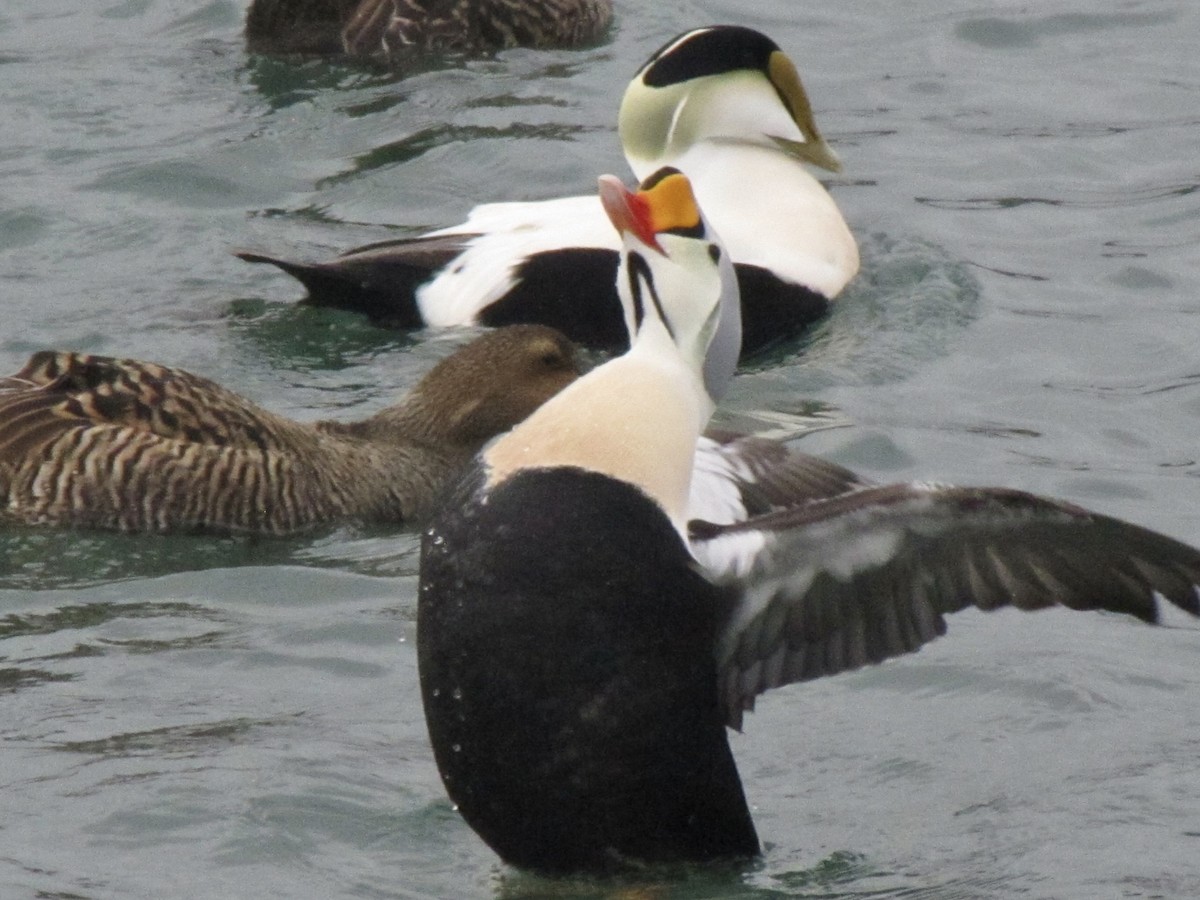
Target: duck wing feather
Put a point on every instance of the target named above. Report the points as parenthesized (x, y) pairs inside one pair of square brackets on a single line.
[(61, 390), (857, 578)]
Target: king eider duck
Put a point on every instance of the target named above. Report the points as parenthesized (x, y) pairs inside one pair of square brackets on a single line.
[(722, 103), (393, 31), (92, 441), (584, 641)]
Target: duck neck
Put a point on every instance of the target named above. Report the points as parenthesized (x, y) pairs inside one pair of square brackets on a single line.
[(428, 420)]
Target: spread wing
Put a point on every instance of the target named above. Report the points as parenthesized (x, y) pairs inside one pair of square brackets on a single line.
[(858, 578), (736, 478)]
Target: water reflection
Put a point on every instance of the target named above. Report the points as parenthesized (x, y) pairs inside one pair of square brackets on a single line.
[(302, 338), (84, 616), (997, 33), (172, 741), (909, 302), (283, 83), (33, 559), (15, 678), (432, 138), (36, 559)]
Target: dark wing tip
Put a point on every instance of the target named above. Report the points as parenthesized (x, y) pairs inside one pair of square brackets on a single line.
[(858, 578)]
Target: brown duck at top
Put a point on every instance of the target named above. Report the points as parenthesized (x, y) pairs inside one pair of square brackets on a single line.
[(92, 441), (392, 30)]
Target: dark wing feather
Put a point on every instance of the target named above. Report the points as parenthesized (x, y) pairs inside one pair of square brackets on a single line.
[(736, 478), (379, 280), (768, 475), (858, 578), (104, 443)]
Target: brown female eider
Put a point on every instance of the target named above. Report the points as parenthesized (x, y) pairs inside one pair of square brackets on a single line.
[(96, 442), (394, 30)]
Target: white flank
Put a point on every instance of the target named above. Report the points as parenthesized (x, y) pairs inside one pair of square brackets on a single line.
[(509, 233)]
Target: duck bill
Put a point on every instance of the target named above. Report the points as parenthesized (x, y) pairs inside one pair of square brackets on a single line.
[(813, 149), (629, 212)]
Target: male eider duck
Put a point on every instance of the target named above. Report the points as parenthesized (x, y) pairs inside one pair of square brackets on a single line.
[(392, 31), (722, 103), (92, 441), (584, 642)]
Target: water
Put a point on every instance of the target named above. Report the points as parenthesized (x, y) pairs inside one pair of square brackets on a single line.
[(205, 718)]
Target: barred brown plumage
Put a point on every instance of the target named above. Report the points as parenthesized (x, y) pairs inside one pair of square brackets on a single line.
[(93, 441), (391, 30)]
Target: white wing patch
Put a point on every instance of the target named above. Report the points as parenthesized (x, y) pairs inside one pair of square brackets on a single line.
[(508, 234), (715, 496), (729, 556)]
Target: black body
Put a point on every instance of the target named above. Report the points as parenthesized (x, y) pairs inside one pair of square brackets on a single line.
[(567, 665)]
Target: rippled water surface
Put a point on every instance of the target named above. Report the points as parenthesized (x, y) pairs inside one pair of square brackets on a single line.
[(207, 718)]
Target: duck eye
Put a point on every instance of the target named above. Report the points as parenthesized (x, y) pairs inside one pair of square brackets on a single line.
[(714, 253), (549, 355)]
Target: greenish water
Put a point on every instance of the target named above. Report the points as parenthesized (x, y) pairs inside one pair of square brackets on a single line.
[(205, 718)]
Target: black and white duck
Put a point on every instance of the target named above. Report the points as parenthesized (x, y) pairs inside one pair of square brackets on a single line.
[(722, 103), (586, 635), (92, 441)]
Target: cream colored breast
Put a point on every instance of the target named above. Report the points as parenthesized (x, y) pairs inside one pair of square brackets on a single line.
[(636, 419)]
